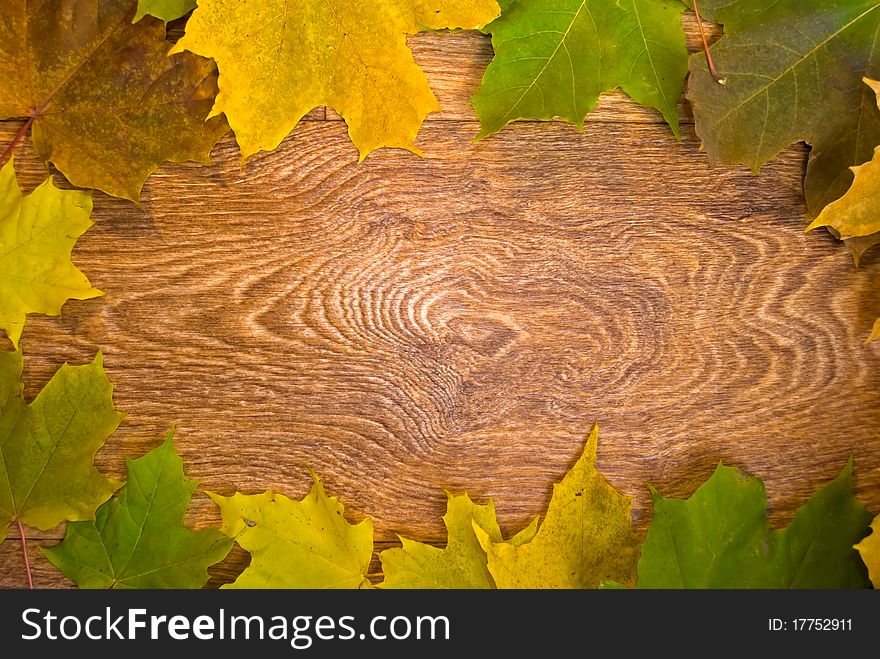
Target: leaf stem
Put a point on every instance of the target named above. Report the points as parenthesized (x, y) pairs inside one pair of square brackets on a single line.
[(712, 69), (24, 552), (7, 152)]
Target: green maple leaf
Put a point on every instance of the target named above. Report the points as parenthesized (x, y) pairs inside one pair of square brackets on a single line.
[(462, 563), (105, 103), (585, 539), (553, 58), (137, 539), (793, 72), (37, 235), (167, 10), (47, 447), (278, 61), (297, 544), (720, 538)]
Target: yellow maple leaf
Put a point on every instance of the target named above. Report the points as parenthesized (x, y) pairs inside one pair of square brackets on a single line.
[(869, 548), (585, 539), (857, 213), (279, 60), (855, 217), (37, 234), (462, 563), (297, 544)]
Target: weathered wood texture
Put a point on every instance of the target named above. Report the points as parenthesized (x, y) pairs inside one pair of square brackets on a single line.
[(460, 321)]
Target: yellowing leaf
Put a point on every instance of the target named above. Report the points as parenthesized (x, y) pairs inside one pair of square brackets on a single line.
[(793, 72), (855, 217), (167, 10), (462, 564), (858, 246), (37, 235), (869, 548), (47, 447), (555, 57), (106, 103), (137, 539), (278, 60), (297, 544), (856, 213), (875, 333), (585, 539)]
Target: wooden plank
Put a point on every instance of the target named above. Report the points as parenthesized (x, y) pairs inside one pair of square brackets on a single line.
[(460, 321)]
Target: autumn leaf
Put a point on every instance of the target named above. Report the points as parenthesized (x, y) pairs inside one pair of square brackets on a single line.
[(585, 539), (104, 102), (858, 246), (297, 544), (47, 447), (869, 549), (137, 539), (37, 235), (277, 61), (855, 217), (462, 563), (793, 72), (553, 58), (856, 213), (167, 10), (720, 538)]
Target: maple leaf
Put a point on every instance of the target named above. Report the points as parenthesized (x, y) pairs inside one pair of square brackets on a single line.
[(720, 538), (278, 61), (869, 548), (555, 57), (793, 73), (104, 102), (585, 539), (37, 235), (47, 447), (857, 213), (462, 564), (137, 539), (167, 10), (858, 246), (297, 544)]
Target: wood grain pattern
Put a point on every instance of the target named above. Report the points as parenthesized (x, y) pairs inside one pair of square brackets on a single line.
[(460, 321)]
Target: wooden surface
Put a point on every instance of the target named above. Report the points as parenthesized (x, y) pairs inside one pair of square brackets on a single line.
[(460, 321)]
